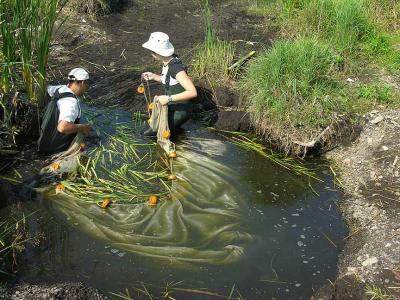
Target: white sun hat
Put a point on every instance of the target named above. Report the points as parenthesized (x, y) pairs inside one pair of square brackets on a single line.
[(160, 44), (78, 74)]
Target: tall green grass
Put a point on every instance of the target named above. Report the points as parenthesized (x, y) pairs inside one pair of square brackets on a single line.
[(214, 56), (26, 27), (291, 90), (344, 23), (297, 88)]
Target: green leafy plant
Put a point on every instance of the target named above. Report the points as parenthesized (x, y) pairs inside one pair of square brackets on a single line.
[(26, 27), (213, 57)]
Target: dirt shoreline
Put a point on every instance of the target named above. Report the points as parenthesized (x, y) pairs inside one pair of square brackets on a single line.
[(369, 172)]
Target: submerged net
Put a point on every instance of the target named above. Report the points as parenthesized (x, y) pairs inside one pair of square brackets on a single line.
[(200, 221), (198, 218), (159, 123), (65, 161)]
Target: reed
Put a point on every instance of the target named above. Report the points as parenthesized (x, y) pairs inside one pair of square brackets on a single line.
[(13, 238), (124, 171), (252, 144), (26, 27), (214, 56)]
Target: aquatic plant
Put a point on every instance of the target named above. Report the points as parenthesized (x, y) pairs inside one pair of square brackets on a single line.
[(253, 144), (13, 238), (124, 171), (173, 288)]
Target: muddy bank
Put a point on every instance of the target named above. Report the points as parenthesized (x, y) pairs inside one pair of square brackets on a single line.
[(369, 172), (55, 291)]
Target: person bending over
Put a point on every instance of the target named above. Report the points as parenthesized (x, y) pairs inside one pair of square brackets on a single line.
[(61, 119), (179, 88)]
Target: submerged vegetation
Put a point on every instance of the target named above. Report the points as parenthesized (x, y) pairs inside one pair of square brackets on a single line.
[(13, 237), (124, 171), (309, 80)]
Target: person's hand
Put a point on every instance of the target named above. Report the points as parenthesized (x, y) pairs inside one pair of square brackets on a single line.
[(148, 76), (85, 129), (163, 99)]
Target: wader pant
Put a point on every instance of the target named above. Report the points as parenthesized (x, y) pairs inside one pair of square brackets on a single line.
[(178, 114)]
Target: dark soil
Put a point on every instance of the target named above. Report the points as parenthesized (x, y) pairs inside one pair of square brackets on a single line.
[(111, 49)]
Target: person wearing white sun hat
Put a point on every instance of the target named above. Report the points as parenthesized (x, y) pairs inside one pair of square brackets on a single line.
[(179, 88), (61, 119)]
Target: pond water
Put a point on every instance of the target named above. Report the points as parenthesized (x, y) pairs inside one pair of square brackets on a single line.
[(235, 222)]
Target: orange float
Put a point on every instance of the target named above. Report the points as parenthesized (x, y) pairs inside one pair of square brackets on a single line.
[(151, 106), (172, 154), (166, 134), (82, 146), (60, 188), (55, 166), (152, 200), (172, 177), (106, 202), (140, 89)]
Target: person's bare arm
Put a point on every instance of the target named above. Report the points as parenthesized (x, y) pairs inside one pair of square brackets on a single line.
[(189, 92), (151, 76), (66, 127)]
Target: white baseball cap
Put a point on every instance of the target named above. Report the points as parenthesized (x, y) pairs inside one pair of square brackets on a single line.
[(160, 44), (78, 74)]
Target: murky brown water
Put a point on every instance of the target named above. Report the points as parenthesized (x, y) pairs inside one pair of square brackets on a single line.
[(234, 219)]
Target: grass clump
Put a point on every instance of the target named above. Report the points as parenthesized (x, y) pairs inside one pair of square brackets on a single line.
[(13, 238), (26, 27), (213, 57), (94, 8), (291, 91), (344, 23), (374, 292), (298, 87)]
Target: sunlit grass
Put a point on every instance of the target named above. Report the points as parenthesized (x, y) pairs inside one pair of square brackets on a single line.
[(253, 144), (375, 293), (214, 56), (123, 171), (26, 29)]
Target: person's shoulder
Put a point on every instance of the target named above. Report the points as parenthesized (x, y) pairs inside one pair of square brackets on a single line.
[(51, 89), (176, 67)]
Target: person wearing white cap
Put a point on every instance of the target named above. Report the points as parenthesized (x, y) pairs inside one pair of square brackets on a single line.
[(179, 88), (61, 119)]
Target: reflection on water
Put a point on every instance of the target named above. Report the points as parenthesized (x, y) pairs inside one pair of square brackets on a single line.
[(233, 218)]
